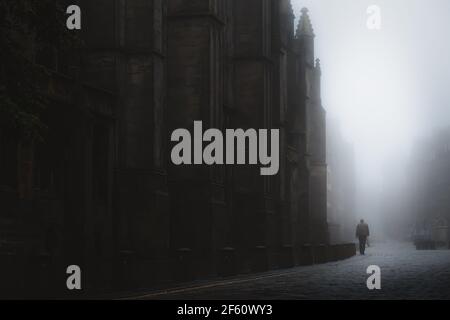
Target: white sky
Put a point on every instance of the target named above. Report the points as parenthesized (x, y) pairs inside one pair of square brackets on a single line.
[(385, 87)]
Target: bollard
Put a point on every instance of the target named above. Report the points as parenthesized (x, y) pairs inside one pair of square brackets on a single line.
[(305, 255), (125, 264), (320, 253), (182, 267), (259, 259), (287, 257), (227, 262), (333, 253)]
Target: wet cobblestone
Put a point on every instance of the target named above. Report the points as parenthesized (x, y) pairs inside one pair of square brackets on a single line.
[(405, 274)]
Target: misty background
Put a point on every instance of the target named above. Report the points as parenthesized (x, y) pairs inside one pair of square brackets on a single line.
[(387, 89)]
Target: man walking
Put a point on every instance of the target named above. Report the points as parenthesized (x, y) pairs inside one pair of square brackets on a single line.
[(362, 232)]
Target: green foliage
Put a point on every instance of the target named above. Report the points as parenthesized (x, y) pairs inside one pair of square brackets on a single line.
[(26, 26)]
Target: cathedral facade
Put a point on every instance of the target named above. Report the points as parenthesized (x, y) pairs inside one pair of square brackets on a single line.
[(119, 208)]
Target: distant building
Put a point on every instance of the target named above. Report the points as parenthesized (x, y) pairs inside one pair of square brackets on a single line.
[(431, 201), (342, 218)]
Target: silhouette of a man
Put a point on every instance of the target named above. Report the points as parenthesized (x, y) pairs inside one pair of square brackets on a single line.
[(362, 232)]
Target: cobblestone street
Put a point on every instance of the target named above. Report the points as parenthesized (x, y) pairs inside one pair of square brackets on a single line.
[(405, 274)]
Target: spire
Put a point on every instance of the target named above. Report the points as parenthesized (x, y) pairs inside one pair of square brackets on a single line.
[(304, 27), (286, 8), (318, 66)]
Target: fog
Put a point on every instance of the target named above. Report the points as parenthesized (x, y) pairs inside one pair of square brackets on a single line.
[(388, 90)]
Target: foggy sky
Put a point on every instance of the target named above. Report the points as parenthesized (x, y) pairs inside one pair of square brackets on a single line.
[(387, 88)]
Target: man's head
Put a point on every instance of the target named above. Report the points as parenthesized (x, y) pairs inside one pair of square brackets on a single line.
[(362, 221)]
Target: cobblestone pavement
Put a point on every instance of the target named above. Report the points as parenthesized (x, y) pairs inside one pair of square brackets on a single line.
[(405, 274)]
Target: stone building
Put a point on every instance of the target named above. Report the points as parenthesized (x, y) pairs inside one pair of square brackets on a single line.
[(430, 187), (56, 194), (116, 205)]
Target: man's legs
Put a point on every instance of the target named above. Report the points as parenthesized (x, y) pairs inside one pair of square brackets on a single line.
[(362, 245)]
